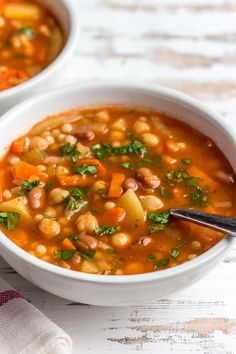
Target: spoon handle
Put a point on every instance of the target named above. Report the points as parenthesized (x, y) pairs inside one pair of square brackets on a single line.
[(211, 221)]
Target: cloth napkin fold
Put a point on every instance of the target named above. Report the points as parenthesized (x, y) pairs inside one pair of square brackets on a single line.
[(25, 330)]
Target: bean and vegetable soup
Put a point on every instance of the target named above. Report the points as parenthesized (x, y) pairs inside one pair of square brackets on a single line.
[(30, 39), (90, 190)]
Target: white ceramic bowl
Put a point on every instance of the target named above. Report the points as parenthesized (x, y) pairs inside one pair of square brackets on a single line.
[(65, 13), (104, 289)]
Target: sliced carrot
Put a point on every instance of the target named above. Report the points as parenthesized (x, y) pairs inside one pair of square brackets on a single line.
[(206, 180), (68, 245), (115, 189), (18, 146), (76, 180), (24, 170), (115, 215), (94, 162)]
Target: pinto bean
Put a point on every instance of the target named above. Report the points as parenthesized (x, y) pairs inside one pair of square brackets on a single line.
[(87, 242), (146, 177), (37, 198), (84, 133), (144, 241), (130, 183)]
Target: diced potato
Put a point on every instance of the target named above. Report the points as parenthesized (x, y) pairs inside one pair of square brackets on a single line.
[(133, 207), (22, 11), (89, 267), (17, 205)]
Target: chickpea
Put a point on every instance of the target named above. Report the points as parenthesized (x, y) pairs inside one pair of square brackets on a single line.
[(57, 196), (109, 205), (38, 217), (7, 194), (151, 203), (121, 240), (71, 139), (102, 117), (50, 211), (119, 124), (140, 127), (144, 241), (84, 150), (50, 228), (60, 137), (150, 139), (50, 140), (196, 245), (66, 128), (14, 160), (87, 223), (99, 185), (37, 142), (41, 250), (117, 135), (62, 171)]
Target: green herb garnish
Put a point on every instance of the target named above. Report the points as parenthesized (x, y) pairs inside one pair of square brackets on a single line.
[(128, 165), (86, 170), (186, 161), (106, 230), (10, 220), (78, 193), (161, 263), (65, 255), (75, 156), (48, 185), (159, 218), (165, 193), (111, 251), (74, 237), (102, 192), (134, 147), (155, 228), (52, 218), (151, 258), (27, 31), (28, 186), (75, 205), (67, 150), (175, 253)]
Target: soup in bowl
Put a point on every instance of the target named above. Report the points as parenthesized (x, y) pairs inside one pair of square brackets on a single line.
[(36, 38), (86, 192)]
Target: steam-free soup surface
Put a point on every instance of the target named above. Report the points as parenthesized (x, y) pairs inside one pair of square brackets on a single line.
[(90, 190), (30, 39)]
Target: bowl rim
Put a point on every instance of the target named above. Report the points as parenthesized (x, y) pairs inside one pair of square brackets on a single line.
[(70, 43), (220, 248)]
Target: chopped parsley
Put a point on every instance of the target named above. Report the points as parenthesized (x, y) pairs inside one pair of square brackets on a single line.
[(160, 221), (151, 258), (134, 147), (52, 218), (111, 251), (102, 192), (145, 162), (159, 218), (186, 161), (165, 193), (75, 205), (161, 263), (48, 185), (67, 150), (175, 252), (86, 170), (27, 31), (27, 187), (10, 220), (106, 230), (67, 255), (128, 165), (75, 156), (74, 237), (78, 193)]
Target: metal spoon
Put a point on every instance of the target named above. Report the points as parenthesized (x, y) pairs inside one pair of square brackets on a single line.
[(211, 221)]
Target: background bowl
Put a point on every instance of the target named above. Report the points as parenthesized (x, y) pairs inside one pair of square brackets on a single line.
[(126, 289), (65, 14)]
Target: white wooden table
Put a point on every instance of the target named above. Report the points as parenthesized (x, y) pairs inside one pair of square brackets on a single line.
[(189, 45)]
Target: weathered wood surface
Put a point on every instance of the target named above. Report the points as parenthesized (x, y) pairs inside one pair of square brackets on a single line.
[(189, 45)]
